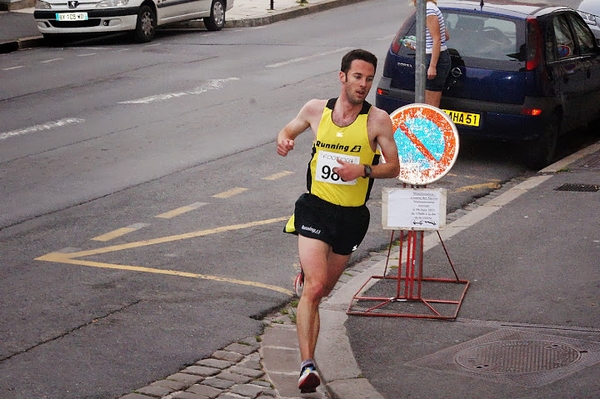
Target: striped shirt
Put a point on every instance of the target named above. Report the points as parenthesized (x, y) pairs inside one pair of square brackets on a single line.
[(432, 9)]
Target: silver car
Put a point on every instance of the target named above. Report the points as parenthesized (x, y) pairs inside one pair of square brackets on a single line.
[(57, 18), (590, 11)]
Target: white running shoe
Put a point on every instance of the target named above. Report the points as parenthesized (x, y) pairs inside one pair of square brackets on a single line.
[(309, 379)]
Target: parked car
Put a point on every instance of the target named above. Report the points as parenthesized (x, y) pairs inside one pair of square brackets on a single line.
[(57, 18), (520, 72), (590, 12)]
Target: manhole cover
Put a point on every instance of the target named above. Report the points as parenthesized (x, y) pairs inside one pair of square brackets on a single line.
[(518, 356), (515, 356)]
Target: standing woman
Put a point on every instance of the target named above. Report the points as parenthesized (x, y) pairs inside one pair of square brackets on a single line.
[(437, 57)]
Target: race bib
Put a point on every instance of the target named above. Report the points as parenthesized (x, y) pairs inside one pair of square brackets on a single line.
[(326, 161)]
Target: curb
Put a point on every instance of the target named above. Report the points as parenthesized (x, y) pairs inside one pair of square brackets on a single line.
[(19, 44)]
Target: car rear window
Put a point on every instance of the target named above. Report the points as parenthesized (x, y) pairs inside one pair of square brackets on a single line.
[(482, 40)]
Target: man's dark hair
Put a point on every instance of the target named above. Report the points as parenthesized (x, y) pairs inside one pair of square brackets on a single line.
[(358, 54)]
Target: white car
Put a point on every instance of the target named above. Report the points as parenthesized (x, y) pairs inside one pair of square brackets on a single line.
[(590, 12), (56, 18)]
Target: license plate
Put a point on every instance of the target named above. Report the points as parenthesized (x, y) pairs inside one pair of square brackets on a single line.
[(464, 118), (72, 16)]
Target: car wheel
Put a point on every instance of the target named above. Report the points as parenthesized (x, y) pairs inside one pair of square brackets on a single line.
[(146, 25), (216, 21), (541, 152)]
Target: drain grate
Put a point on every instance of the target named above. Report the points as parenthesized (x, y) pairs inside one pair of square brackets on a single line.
[(515, 357), (592, 161), (591, 188)]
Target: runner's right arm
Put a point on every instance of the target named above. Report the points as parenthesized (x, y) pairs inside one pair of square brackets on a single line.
[(309, 116)]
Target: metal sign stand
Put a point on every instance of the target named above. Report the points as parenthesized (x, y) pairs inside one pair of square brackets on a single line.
[(419, 131), (409, 284)]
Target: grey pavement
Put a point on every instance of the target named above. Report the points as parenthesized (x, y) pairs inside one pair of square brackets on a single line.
[(528, 327)]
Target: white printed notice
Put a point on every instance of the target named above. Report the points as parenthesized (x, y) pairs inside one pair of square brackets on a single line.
[(414, 208)]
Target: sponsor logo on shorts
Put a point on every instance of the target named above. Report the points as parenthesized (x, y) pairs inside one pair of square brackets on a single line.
[(354, 248), (311, 229)]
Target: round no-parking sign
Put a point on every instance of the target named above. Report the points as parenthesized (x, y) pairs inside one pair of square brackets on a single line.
[(427, 142)]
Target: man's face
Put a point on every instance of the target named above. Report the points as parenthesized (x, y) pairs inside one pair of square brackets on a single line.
[(358, 81)]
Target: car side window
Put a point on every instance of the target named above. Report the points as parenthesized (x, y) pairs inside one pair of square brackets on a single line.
[(585, 39), (565, 46), (407, 45)]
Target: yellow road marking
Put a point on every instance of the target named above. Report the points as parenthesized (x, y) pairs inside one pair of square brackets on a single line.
[(119, 232), (492, 184), (230, 193), (71, 257), (279, 175), (182, 210), (65, 258)]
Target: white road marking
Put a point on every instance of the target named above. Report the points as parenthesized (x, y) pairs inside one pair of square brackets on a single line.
[(39, 128), (300, 59), (51, 60), (14, 67), (213, 84)]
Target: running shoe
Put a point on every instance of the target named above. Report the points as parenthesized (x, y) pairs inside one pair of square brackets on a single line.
[(309, 379), (299, 283)]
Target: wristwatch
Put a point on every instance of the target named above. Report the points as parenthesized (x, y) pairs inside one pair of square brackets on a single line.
[(368, 171)]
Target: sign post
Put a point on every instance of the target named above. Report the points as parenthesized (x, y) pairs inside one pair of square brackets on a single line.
[(427, 141), (420, 72)]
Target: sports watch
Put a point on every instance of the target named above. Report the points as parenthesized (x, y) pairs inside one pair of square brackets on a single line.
[(368, 171)]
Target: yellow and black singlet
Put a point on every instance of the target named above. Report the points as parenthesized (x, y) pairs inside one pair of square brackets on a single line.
[(349, 143)]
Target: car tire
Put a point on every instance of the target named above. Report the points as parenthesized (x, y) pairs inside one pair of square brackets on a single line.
[(145, 28), (216, 21), (542, 151)]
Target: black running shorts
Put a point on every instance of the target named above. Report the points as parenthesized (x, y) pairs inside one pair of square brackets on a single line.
[(342, 227)]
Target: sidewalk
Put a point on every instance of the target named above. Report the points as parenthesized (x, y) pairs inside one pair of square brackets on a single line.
[(529, 326)]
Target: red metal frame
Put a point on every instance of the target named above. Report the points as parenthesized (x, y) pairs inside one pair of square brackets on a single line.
[(409, 286)]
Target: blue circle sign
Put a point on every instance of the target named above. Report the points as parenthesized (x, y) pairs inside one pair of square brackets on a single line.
[(427, 141)]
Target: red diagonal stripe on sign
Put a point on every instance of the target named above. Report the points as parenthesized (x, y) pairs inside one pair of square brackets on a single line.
[(420, 146)]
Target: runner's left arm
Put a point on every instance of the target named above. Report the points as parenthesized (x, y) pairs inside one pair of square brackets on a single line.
[(382, 131)]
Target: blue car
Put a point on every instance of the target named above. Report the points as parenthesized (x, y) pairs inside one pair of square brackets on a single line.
[(520, 72)]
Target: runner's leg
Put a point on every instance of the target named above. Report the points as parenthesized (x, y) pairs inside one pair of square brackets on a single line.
[(322, 269)]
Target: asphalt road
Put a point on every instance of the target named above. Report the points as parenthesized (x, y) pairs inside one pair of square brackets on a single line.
[(143, 200)]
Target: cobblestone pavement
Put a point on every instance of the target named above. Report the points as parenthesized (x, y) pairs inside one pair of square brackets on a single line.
[(238, 371)]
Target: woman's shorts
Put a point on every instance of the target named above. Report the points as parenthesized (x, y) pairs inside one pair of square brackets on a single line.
[(443, 70), (342, 227)]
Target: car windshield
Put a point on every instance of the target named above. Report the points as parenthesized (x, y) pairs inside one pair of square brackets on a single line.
[(482, 36)]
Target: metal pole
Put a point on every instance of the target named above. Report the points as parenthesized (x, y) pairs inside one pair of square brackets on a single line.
[(420, 72)]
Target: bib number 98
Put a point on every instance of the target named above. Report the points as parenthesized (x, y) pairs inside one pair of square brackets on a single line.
[(327, 161)]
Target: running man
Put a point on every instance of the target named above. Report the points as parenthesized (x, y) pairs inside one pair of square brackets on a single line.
[(331, 219)]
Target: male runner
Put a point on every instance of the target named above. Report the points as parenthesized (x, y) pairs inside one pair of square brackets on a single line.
[(332, 219)]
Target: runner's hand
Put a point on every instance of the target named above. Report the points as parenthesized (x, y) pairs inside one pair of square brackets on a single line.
[(349, 171), (285, 146)]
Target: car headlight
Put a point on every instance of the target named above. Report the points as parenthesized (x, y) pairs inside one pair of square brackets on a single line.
[(42, 5), (591, 19), (112, 3)]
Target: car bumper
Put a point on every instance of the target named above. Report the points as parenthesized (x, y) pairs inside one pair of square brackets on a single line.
[(99, 21), (497, 121)]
